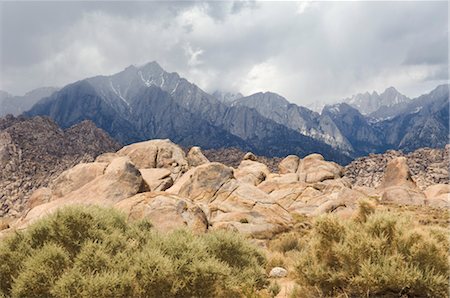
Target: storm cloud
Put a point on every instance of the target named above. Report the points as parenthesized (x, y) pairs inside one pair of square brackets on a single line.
[(305, 51)]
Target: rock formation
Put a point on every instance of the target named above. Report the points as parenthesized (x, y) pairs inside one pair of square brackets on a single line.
[(428, 166), (34, 151), (156, 180)]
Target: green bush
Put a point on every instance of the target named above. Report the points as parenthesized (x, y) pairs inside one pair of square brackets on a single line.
[(94, 252), (376, 254)]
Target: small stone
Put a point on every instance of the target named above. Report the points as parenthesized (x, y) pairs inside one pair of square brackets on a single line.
[(278, 272)]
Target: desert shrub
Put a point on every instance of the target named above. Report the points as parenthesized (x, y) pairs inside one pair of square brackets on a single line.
[(286, 242), (276, 259), (274, 289), (95, 252), (375, 254)]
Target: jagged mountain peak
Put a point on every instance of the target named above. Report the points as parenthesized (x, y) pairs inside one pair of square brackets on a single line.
[(226, 96), (368, 103)]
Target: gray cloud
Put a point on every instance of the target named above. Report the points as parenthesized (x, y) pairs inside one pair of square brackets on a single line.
[(306, 51)]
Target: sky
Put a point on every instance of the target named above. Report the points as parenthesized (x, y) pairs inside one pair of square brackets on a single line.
[(306, 51)]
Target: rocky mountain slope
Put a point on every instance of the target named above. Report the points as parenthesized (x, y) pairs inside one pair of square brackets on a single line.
[(140, 103), (369, 103), (33, 152), (16, 105), (303, 120), (156, 180), (421, 122), (428, 166), (147, 102)]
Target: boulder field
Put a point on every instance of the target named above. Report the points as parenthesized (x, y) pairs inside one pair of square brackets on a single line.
[(156, 180)]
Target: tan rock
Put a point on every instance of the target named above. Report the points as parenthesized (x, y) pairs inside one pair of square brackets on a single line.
[(195, 157), (249, 156), (402, 195), (40, 196), (313, 168), (277, 181), (289, 164), (157, 154), (397, 174), (106, 157), (156, 179), (438, 196), (74, 178), (202, 183), (166, 212), (247, 209), (120, 181), (251, 172)]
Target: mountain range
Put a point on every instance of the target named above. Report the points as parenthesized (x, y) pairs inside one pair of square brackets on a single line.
[(16, 105), (147, 102)]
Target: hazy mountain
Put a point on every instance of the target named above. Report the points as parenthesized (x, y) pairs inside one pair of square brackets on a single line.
[(357, 129), (147, 102), (15, 105), (424, 122), (227, 97), (301, 119), (416, 123), (368, 103)]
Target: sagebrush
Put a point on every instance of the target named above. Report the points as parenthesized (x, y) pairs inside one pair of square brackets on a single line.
[(94, 252), (377, 254)]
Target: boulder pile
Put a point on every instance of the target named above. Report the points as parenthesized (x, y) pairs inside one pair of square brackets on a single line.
[(156, 180)]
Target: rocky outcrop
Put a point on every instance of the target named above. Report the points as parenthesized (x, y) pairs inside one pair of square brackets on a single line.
[(397, 186), (155, 180), (195, 157), (157, 154), (34, 151), (166, 212), (428, 166), (232, 157), (438, 195), (313, 168), (232, 204), (252, 172), (289, 164)]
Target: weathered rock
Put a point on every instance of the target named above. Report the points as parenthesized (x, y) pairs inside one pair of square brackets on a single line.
[(401, 195), (120, 181), (276, 181), (313, 168), (74, 178), (249, 156), (428, 167), (232, 157), (195, 157), (166, 212), (202, 183), (156, 179), (251, 172), (278, 272), (40, 196), (231, 204), (157, 154), (397, 186), (397, 174), (247, 209), (106, 157), (438, 196), (289, 164), (34, 151)]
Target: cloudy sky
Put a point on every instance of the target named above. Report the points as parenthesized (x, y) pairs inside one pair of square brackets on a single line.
[(305, 51)]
